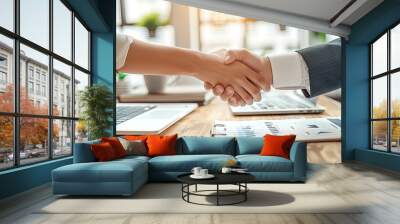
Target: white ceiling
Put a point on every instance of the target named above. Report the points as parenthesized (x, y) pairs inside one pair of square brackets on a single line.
[(321, 9), (316, 15)]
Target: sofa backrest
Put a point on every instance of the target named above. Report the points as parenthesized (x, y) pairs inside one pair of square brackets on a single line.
[(83, 153), (249, 145), (190, 145), (194, 145)]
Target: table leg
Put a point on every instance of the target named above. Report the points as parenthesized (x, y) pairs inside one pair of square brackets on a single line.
[(188, 190), (245, 193), (217, 194), (195, 188), (182, 188)]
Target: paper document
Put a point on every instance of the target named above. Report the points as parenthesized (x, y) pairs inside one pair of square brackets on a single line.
[(305, 129)]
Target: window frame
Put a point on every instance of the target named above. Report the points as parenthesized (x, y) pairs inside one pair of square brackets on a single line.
[(51, 118), (388, 74)]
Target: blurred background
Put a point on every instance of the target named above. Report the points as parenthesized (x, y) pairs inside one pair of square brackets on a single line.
[(178, 25)]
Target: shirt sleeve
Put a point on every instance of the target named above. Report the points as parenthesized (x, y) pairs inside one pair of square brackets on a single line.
[(289, 72), (123, 44)]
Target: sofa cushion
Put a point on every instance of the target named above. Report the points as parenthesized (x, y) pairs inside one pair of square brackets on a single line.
[(257, 163), (161, 145), (185, 163), (133, 158), (191, 145), (103, 152), (249, 145), (277, 145), (112, 171), (116, 145), (134, 147)]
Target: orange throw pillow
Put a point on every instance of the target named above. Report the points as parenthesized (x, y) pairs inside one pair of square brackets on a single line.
[(116, 145), (275, 145), (161, 145), (103, 152)]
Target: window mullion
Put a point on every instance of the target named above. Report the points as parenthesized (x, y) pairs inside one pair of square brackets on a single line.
[(389, 101), (50, 81), (73, 81), (16, 83), (371, 137)]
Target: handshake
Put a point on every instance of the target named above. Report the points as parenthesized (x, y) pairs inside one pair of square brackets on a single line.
[(237, 76)]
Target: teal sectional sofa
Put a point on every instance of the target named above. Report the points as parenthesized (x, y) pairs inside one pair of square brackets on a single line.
[(125, 176)]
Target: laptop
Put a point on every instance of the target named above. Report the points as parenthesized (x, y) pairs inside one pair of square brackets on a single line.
[(149, 118), (279, 102)]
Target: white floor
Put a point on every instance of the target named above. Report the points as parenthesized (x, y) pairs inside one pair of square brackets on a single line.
[(376, 189)]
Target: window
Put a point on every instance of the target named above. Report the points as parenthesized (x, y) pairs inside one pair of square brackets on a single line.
[(6, 142), (62, 30), (45, 75), (7, 14), (62, 137), (38, 74), (81, 45), (3, 78), (3, 61), (30, 72), (30, 87), (62, 74), (385, 94), (81, 81), (37, 89), (44, 91), (6, 73), (3, 72), (35, 21)]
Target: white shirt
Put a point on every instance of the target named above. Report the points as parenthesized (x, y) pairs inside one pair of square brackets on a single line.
[(123, 44), (289, 71)]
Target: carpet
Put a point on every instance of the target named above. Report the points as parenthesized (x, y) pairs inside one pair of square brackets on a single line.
[(166, 198)]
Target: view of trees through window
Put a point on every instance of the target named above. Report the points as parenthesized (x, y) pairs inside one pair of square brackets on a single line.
[(385, 92), (40, 82)]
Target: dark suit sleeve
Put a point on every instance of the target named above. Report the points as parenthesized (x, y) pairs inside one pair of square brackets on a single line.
[(324, 67)]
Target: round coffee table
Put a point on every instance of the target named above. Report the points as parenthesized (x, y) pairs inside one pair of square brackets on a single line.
[(238, 179)]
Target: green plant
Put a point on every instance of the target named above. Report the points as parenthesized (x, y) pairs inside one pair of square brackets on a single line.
[(152, 21), (121, 75), (96, 102), (320, 36)]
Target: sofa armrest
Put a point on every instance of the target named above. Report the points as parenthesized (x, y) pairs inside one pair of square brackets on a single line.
[(83, 152), (298, 155)]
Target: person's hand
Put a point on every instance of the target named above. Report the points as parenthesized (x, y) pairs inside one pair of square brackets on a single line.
[(244, 81), (259, 64), (226, 94)]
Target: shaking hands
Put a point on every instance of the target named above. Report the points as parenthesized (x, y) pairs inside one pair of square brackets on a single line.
[(255, 74)]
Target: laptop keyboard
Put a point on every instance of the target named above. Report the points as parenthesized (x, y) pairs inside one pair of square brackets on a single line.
[(279, 102), (125, 113)]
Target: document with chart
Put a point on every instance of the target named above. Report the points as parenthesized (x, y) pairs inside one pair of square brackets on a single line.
[(305, 129)]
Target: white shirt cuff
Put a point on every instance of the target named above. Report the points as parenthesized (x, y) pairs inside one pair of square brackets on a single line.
[(123, 45), (289, 72)]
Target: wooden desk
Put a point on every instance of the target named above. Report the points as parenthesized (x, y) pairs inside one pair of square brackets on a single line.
[(199, 123)]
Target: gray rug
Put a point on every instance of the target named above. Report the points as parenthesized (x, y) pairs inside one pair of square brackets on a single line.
[(166, 198)]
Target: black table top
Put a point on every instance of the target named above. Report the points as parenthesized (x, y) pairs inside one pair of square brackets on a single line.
[(220, 178)]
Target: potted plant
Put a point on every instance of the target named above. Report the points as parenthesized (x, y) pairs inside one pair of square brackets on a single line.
[(319, 37), (96, 102), (152, 21)]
